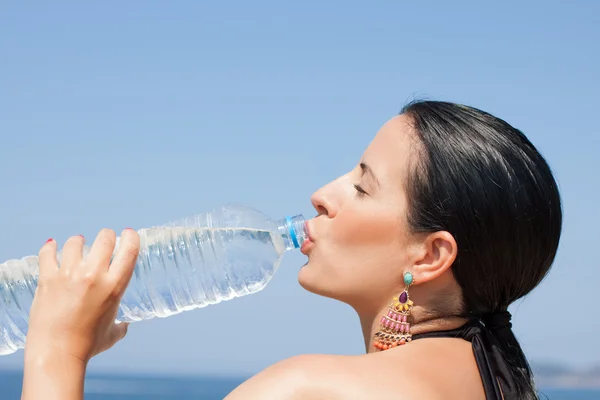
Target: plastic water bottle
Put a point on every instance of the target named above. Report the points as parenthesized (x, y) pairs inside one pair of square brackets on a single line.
[(183, 265)]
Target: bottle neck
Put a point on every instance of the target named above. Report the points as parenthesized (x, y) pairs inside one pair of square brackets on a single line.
[(293, 231)]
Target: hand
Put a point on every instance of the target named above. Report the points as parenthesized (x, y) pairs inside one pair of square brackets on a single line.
[(75, 305)]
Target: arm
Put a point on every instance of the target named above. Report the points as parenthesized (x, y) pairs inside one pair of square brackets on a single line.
[(73, 312), (53, 376)]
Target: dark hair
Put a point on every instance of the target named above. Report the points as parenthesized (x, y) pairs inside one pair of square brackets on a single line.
[(484, 182)]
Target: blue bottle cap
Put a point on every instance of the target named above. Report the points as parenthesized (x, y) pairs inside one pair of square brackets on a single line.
[(292, 231)]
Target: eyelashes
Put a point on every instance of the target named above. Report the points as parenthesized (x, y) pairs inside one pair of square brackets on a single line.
[(360, 192)]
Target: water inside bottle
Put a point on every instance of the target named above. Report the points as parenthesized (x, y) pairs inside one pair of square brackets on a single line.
[(185, 268), (178, 269)]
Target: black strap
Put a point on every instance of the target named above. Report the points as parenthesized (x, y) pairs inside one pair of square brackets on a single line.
[(498, 381)]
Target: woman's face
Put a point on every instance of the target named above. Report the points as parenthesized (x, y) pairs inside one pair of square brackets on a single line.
[(360, 241)]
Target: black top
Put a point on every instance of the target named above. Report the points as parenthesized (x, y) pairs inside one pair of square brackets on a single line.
[(498, 382)]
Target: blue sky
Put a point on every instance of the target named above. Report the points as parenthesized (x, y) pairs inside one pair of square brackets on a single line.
[(118, 114)]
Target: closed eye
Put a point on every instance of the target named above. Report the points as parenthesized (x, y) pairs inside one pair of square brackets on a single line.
[(360, 191)]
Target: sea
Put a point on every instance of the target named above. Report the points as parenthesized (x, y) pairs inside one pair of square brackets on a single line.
[(116, 387)]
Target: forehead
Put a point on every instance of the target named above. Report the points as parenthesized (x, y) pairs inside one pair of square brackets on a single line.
[(389, 152)]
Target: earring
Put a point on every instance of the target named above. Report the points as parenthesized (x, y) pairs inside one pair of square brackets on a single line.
[(395, 327)]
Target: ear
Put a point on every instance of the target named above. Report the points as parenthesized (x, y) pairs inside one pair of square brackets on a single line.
[(436, 255)]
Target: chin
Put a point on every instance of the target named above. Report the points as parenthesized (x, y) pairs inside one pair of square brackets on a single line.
[(312, 279), (307, 277)]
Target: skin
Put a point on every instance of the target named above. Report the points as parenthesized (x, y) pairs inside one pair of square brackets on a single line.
[(359, 249), (73, 312)]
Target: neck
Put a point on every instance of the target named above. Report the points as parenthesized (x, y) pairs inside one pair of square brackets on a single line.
[(370, 324)]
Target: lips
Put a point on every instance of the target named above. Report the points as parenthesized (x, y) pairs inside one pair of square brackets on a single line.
[(306, 246), (308, 242), (308, 235)]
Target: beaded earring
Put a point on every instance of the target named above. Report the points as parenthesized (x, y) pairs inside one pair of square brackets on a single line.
[(395, 327)]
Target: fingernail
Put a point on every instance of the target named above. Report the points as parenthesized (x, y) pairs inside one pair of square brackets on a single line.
[(49, 240), (129, 228), (83, 237)]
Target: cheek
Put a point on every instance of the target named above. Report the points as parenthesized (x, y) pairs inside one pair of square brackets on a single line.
[(358, 259), (357, 229), (365, 246), (358, 252)]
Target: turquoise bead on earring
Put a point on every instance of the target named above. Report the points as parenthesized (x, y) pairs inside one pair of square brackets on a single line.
[(408, 278)]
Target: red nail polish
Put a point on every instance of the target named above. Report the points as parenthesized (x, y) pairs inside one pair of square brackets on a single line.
[(128, 228), (83, 237), (49, 240)]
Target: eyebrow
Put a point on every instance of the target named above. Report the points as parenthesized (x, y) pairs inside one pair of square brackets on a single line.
[(367, 170)]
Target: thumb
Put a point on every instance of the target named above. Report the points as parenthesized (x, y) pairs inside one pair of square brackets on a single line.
[(117, 333), (120, 330)]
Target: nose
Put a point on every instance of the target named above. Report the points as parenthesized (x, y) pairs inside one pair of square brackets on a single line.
[(323, 201)]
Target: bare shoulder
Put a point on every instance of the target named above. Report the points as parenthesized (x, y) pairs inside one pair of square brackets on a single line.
[(302, 377), (428, 371), (334, 377)]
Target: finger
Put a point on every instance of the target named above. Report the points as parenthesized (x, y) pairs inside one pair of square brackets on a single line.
[(123, 263), (72, 253), (48, 263), (102, 250)]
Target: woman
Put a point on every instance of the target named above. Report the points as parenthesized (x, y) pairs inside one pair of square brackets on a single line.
[(450, 216)]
